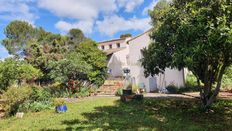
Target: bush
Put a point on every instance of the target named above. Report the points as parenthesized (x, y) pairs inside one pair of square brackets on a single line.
[(172, 89), (135, 88), (227, 79), (35, 106), (40, 94), (188, 89), (191, 80), (84, 92), (59, 102), (15, 96), (27, 99), (119, 92)]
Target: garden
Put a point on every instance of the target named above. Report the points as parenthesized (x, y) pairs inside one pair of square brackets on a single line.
[(51, 80), (111, 114), (45, 66)]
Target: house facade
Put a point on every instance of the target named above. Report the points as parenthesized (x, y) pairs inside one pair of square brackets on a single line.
[(126, 54), (117, 51), (157, 82)]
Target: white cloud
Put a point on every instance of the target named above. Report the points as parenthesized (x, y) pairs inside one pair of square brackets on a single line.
[(129, 5), (78, 9), (149, 7), (85, 14), (113, 24), (17, 9), (85, 26)]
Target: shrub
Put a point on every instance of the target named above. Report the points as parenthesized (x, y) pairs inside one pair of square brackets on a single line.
[(172, 89), (40, 94), (35, 106), (191, 80), (84, 92), (119, 92), (135, 88), (227, 79), (59, 102), (15, 96), (188, 89)]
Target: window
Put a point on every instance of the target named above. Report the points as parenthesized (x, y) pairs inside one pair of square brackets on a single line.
[(110, 46), (118, 45), (103, 47)]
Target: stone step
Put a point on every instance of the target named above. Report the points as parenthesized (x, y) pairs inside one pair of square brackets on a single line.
[(110, 86)]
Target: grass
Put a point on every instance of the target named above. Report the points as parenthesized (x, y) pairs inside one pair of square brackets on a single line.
[(111, 114)]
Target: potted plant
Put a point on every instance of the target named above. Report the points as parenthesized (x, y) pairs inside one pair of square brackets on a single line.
[(127, 90), (60, 105)]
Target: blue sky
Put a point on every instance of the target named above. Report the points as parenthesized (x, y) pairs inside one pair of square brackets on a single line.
[(98, 19)]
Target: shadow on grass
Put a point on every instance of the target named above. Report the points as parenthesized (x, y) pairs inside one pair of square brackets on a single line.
[(151, 114)]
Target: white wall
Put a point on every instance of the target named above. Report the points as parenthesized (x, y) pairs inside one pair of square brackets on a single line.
[(137, 72), (170, 76), (174, 77), (122, 42), (118, 61)]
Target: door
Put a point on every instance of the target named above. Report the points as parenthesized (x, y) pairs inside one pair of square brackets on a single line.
[(153, 84)]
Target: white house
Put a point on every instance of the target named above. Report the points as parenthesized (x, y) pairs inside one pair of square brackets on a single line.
[(117, 51), (126, 53), (169, 77)]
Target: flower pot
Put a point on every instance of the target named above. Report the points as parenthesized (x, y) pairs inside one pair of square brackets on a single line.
[(126, 92), (61, 108)]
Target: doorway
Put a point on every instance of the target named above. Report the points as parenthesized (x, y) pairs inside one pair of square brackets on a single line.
[(153, 84)]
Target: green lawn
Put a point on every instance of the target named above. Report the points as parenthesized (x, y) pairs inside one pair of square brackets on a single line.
[(111, 114)]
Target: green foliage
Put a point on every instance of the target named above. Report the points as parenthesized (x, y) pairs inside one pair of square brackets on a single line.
[(90, 53), (18, 33), (84, 92), (227, 79), (196, 35), (8, 73), (40, 99), (110, 114), (15, 96), (191, 81), (76, 36), (71, 68), (135, 88), (35, 106), (78, 55), (13, 70), (125, 35), (59, 102), (40, 94), (172, 89), (119, 92)]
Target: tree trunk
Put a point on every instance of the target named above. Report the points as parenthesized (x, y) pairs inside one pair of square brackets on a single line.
[(209, 97)]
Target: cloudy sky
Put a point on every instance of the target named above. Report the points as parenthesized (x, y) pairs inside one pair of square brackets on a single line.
[(98, 19)]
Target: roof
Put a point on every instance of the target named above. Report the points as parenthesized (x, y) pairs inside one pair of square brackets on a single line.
[(139, 35), (111, 51), (107, 42)]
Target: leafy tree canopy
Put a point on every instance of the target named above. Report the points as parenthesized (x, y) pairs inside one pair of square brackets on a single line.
[(12, 70), (196, 35), (96, 58), (125, 35)]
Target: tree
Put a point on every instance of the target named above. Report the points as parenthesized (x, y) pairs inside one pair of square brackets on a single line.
[(125, 35), (18, 33), (76, 36), (13, 70), (196, 35), (73, 67), (41, 49), (90, 53)]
